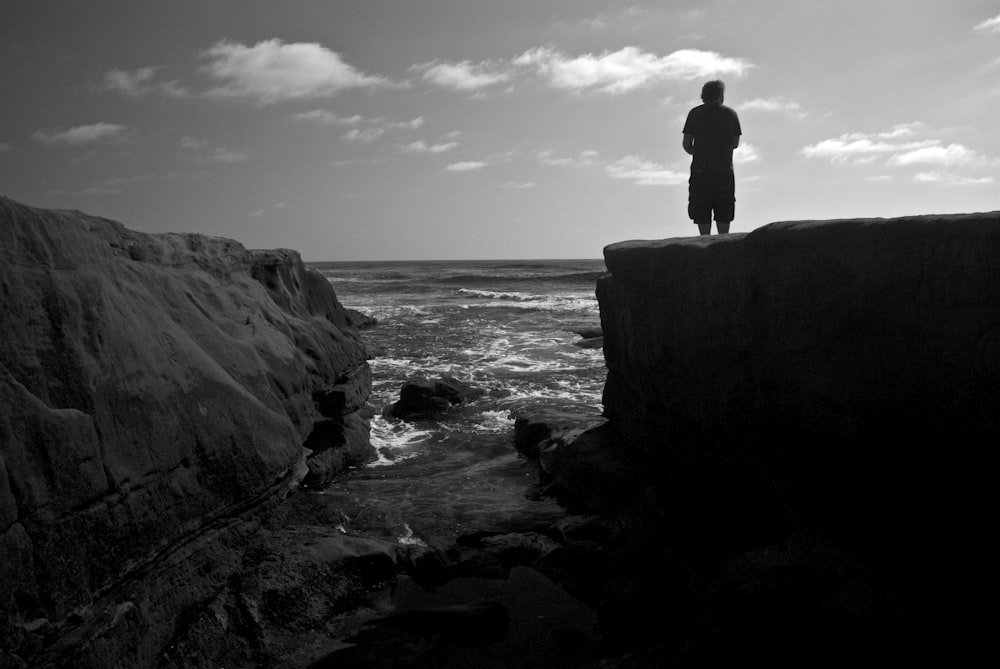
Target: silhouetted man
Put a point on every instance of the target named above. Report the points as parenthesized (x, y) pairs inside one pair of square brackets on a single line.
[(711, 132)]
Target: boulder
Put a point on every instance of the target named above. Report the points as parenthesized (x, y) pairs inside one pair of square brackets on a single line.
[(423, 399), (156, 391)]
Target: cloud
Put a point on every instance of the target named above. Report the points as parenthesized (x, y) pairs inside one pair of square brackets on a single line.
[(193, 143), (366, 135), (746, 153), (140, 82), (327, 118), (582, 159), (466, 166), (989, 25), (464, 75), (866, 147), (409, 125), (223, 155), (421, 146), (218, 154), (375, 132), (950, 179), (517, 185), (272, 71), (627, 69), (644, 172), (81, 134), (953, 154), (773, 105), (908, 145)]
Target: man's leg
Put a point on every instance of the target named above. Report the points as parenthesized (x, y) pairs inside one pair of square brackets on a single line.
[(723, 227), (700, 202)]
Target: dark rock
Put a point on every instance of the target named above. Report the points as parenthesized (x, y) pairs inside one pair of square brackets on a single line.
[(533, 426), (819, 376), (591, 332), (590, 342), (155, 394), (360, 320), (473, 624), (422, 399)]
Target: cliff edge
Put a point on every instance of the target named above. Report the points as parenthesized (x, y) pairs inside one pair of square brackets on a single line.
[(809, 389), (158, 390)]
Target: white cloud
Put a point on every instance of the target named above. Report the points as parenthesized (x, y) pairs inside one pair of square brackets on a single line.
[(774, 105), (866, 147), (582, 159), (223, 155), (627, 69), (464, 75), (517, 185), (950, 179), (746, 153), (644, 172), (140, 82), (81, 134), (421, 146), (989, 25), (328, 118), (193, 143), (272, 71), (953, 154), (366, 135), (409, 125), (907, 145), (466, 166)]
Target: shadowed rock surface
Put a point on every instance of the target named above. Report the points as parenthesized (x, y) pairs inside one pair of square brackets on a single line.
[(157, 393), (813, 405)]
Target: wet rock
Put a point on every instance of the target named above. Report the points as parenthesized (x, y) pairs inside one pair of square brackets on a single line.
[(423, 399), (590, 342), (360, 320)]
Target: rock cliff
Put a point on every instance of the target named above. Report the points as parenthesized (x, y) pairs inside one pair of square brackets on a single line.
[(817, 388), (157, 392)]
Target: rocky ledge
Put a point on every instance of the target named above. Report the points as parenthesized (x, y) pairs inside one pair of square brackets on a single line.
[(800, 422), (159, 393)]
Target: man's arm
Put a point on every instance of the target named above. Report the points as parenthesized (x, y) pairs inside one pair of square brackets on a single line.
[(688, 143)]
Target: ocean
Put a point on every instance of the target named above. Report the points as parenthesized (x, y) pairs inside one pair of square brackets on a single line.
[(506, 327)]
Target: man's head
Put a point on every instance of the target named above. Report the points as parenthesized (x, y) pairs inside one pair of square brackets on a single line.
[(713, 91)]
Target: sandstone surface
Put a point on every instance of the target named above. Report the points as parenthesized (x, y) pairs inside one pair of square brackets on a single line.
[(157, 391)]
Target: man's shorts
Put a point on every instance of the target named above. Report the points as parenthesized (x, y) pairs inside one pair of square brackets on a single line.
[(711, 192)]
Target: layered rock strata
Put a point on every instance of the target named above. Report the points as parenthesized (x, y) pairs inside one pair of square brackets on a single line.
[(157, 391)]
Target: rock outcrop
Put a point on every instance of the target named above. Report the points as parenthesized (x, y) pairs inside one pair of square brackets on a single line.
[(816, 403), (158, 391), (425, 399)]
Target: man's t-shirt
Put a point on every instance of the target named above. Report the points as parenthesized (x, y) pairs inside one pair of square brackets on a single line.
[(713, 126)]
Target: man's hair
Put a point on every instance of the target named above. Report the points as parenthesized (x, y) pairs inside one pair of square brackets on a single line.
[(712, 91)]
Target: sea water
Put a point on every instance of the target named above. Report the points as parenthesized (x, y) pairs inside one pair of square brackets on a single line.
[(506, 327)]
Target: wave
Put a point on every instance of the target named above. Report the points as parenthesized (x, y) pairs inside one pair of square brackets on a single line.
[(586, 278)]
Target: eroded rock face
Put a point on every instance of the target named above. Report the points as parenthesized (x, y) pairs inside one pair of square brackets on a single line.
[(153, 387)]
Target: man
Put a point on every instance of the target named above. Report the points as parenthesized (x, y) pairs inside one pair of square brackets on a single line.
[(711, 132)]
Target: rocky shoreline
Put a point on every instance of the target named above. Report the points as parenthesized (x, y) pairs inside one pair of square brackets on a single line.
[(790, 468)]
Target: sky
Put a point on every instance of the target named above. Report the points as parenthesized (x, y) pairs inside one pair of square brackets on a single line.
[(476, 129)]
